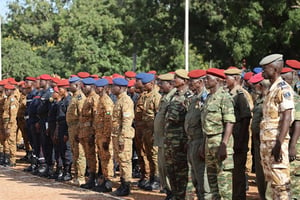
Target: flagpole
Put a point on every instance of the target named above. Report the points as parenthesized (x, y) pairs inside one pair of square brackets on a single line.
[(186, 36)]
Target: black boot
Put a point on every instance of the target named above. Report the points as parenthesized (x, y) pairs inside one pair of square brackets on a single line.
[(105, 185), (123, 190), (1, 158), (67, 173), (60, 174), (91, 181), (43, 170), (50, 171), (153, 184), (142, 183), (169, 195), (33, 165), (55, 174), (25, 158), (6, 160)]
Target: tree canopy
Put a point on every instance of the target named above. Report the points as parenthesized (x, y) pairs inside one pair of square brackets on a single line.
[(108, 36)]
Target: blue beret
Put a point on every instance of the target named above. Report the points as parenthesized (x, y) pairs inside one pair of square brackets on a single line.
[(147, 78), (74, 79), (257, 70), (101, 82), (88, 81), (120, 82), (140, 75)]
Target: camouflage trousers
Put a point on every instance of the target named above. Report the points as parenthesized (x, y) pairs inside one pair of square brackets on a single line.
[(295, 174), (176, 163), (150, 150), (140, 150), (2, 138), (123, 158), (89, 147), (11, 143), (260, 177), (105, 152), (79, 161), (164, 181), (277, 174), (219, 173), (198, 169), (22, 127)]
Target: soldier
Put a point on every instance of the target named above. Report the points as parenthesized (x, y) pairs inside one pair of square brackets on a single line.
[(240, 132), (72, 116), (166, 87), (130, 75), (193, 130), (295, 65), (22, 123), (287, 74), (2, 133), (278, 110), (11, 106), (217, 120), (122, 134), (261, 88), (103, 128), (64, 149), (175, 140), (87, 132), (151, 104), (139, 130)]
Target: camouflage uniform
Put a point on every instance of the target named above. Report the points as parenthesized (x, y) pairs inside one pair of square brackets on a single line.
[(257, 117), (123, 133), (103, 128), (11, 106), (159, 134), (195, 140), (175, 142), (2, 133), (218, 110), (22, 123), (151, 104), (138, 139), (72, 116), (241, 138), (295, 165), (87, 133), (279, 99)]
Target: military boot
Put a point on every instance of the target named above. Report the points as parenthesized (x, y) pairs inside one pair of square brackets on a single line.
[(33, 164), (43, 170), (1, 158), (91, 181), (51, 171), (123, 190), (6, 160), (60, 174), (67, 173), (169, 195), (104, 185), (153, 184)]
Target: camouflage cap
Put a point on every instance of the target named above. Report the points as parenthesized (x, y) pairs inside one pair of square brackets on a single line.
[(233, 71), (166, 77)]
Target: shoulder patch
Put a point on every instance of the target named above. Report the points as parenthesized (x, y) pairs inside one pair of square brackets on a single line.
[(287, 95), (126, 114)]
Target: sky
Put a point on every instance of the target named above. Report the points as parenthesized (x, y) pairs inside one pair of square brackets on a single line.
[(3, 8)]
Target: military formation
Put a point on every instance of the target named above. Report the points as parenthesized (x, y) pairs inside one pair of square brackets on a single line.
[(187, 134)]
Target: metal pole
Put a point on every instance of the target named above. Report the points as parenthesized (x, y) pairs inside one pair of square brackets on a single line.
[(186, 38)]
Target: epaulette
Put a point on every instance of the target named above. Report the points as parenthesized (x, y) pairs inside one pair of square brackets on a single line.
[(282, 84), (240, 91), (79, 97)]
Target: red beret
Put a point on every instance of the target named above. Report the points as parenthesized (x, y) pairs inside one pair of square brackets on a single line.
[(55, 79), (11, 79), (83, 74), (256, 78), (286, 70), (30, 78), (116, 75), (216, 72), (232, 67), (130, 74), (2, 82), (152, 72), (9, 87), (45, 77), (248, 75), (94, 76), (55, 89), (12, 82), (131, 83), (63, 83), (73, 75), (21, 83), (197, 73), (38, 78), (109, 79), (295, 64)]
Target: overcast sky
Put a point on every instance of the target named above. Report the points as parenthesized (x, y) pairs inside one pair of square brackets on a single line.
[(3, 7)]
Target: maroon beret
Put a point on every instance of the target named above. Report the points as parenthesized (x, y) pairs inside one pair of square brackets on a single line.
[(131, 83), (286, 70), (256, 78), (83, 74), (295, 64), (9, 87), (248, 75), (216, 72), (197, 73), (63, 83), (130, 74), (45, 77), (30, 78)]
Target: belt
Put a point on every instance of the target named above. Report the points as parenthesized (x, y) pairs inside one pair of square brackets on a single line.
[(26, 117), (211, 136), (195, 137), (6, 120)]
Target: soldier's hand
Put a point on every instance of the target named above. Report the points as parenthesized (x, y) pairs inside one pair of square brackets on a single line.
[(121, 146), (105, 145), (276, 151), (292, 152), (66, 138), (222, 153)]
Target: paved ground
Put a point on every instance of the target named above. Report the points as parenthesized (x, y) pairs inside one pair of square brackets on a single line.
[(18, 185)]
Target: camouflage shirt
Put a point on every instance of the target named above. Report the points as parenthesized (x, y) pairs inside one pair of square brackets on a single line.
[(75, 108), (257, 117), (11, 106), (217, 110), (151, 104)]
